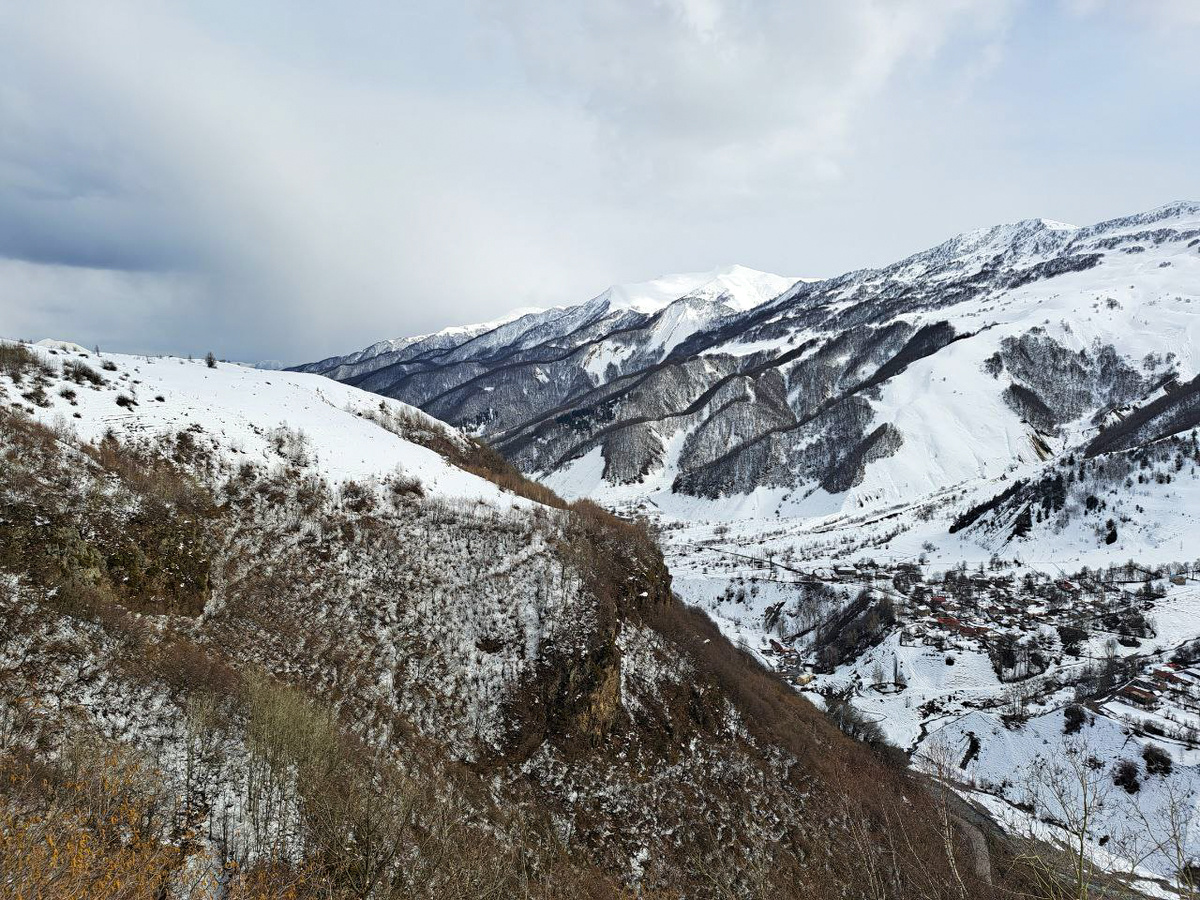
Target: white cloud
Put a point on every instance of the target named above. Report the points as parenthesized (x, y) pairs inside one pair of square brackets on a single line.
[(722, 95), (312, 206)]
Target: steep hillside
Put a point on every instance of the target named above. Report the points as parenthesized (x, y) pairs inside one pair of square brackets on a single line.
[(264, 635)]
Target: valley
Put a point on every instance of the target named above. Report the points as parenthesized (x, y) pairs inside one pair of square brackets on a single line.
[(263, 635)]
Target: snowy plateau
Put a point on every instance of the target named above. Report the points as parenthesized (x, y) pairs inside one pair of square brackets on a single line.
[(957, 494)]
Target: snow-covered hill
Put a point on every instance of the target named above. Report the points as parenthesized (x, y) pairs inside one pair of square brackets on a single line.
[(247, 413), (288, 436)]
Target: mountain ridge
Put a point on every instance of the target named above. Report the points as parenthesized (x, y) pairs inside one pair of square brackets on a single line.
[(869, 321)]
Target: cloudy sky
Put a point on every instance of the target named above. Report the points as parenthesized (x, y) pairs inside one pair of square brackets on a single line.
[(286, 180)]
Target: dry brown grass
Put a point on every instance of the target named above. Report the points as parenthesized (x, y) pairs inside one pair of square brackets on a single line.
[(486, 462)]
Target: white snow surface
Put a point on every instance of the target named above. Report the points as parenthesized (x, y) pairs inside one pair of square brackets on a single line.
[(740, 287), (242, 406)]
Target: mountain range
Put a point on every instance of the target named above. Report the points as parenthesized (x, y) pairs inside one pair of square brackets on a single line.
[(995, 348)]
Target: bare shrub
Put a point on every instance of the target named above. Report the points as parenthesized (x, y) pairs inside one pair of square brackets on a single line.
[(1126, 775), (357, 497), (92, 827), (293, 445), (80, 373), (1158, 761), (403, 486), (17, 361), (483, 460)]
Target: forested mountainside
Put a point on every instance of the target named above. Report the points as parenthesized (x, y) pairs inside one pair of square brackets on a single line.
[(995, 348), (265, 635)]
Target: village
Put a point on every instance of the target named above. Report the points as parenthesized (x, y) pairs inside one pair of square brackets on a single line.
[(1092, 631)]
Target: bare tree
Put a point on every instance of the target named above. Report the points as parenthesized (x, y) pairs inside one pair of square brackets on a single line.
[(1072, 790), (1167, 829), (938, 760)]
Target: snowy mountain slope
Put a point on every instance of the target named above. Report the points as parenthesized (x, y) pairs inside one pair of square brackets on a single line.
[(556, 353), (867, 413), (245, 411), (221, 570), (870, 388), (909, 350)]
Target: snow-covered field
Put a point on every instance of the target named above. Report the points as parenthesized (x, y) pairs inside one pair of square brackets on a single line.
[(242, 408)]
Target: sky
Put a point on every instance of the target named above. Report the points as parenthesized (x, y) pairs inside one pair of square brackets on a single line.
[(290, 179)]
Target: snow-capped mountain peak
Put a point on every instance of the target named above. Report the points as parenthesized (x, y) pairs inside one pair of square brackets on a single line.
[(702, 299), (740, 287)]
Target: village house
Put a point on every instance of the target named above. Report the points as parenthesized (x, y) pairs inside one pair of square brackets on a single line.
[(1138, 696)]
